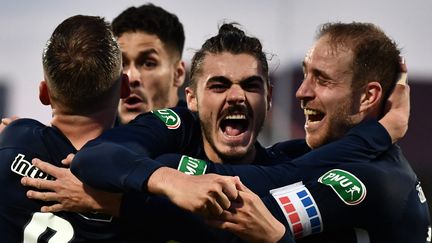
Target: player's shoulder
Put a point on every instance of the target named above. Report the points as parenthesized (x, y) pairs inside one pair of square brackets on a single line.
[(25, 123), (384, 180), (291, 148), (171, 117), (21, 129)]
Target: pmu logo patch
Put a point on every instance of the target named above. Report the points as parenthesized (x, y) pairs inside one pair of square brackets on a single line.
[(169, 117), (299, 208), (347, 186), (192, 166)]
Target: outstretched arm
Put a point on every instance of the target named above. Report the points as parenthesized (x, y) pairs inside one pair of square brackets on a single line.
[(206, 195)]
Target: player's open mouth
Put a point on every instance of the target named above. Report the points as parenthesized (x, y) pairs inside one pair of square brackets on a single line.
[(133, 101), (234, 124), (313, 116)]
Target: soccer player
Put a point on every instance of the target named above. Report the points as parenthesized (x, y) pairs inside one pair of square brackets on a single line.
[(82, 83), (179, 127), (348, 71), (151, 40)]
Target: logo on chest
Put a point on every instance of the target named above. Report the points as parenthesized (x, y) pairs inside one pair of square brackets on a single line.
[(23, 167), (347, 186)]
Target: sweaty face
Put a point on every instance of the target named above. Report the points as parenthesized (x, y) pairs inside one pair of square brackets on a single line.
[(232, 101), (151, 69), (326, 96)]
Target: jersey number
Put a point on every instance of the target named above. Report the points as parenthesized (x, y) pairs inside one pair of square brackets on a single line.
[(41, 221)]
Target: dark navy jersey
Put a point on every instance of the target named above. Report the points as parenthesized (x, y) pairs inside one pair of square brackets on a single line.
[(20, 217), (376, 201), (166, 222), (348, 200), (125, 154), (123, 157)]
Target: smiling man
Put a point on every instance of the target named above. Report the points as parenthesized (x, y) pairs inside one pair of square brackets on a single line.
[(328, 100), (151, 40)]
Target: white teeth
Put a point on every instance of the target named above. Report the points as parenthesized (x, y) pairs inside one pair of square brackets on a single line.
[(310, 112), (235, 117)]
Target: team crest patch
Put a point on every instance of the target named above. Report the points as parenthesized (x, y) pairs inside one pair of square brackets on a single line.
[(169, 117), (192, 166), (346, 185)]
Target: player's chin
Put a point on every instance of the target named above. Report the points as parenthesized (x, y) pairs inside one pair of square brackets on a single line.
[(128, 116)]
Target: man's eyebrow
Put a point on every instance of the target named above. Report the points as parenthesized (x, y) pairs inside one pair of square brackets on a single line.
[(147, 52), (224, 79), (252, 78), (316, 72), (221, 79)]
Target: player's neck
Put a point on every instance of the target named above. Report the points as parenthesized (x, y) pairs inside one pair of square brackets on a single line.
[(80, 129)]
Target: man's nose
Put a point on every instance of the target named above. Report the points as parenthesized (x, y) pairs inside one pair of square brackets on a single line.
[(306, 89), (134, 76), (236, 94)]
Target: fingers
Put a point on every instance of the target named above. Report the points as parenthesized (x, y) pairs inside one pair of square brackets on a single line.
[(403, 76), (230, 188), (40, 184), (223, 194), (6, 121), (403, 67), (68, 160), (47, 167), (44, 196), (242, 187), (215, 209), (52, 209), (230, 192)]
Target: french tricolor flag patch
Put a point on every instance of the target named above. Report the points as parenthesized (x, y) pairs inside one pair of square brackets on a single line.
[(299, 208)]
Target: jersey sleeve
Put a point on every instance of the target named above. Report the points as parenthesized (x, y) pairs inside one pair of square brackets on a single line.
[(377, 195), (363, 143), (120, 159)]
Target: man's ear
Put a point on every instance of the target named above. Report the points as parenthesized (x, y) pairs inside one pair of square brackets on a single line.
[(124, 86), (269, 96), (371, 97), (180, 74), (44, 93), (191, 99)]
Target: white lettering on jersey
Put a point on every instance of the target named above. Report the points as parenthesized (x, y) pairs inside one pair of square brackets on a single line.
[(22, 167), (362, 235), (420, 193), (428, 239), (39, 223)]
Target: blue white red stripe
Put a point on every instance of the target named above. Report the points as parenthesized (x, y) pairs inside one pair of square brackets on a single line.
[(299, 208)]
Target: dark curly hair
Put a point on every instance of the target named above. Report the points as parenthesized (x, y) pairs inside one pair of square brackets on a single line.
[(229, 39), (152, 20)]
